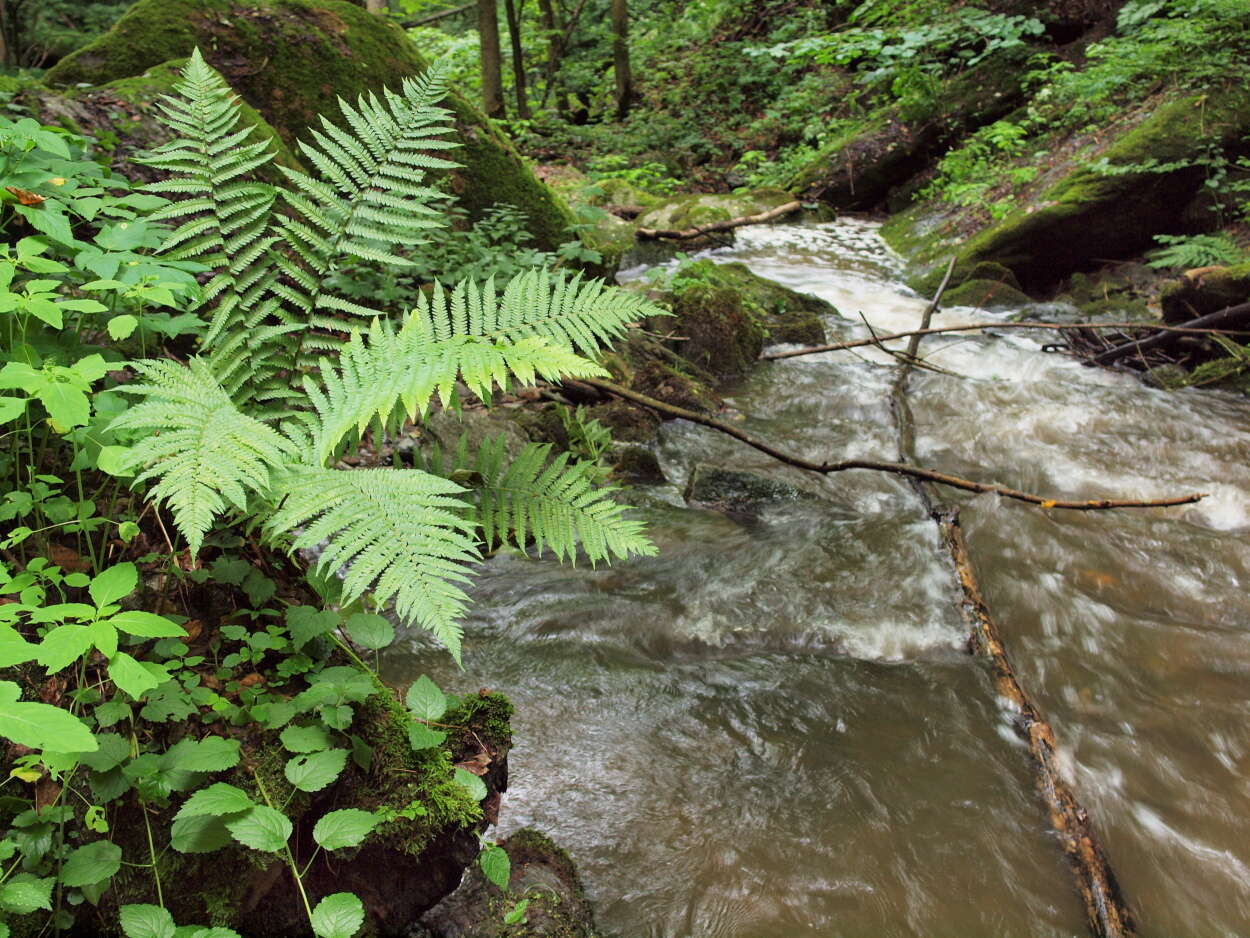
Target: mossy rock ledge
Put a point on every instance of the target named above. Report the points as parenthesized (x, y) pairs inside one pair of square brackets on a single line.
[(724, 315), (1075, 213), (403, 868), (1205, 290), (292, 60)]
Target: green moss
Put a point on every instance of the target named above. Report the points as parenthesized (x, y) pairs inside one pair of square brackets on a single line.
[(292, 60), (694, 209), (985, 294), (1204, 291), (1085, 213)]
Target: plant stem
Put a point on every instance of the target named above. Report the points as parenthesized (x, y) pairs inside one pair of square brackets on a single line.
[(286, 849), (156, 873)]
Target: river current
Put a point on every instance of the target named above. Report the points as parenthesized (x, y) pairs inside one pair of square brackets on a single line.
[(772, 728)]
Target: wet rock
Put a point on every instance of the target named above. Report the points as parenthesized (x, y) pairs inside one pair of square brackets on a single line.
[(737, 490), (695, 209), (1205, 290), (445, 428), (1167, 376), (543, 876), (986, 294), (724, 315), (292, 59), (637, 465)]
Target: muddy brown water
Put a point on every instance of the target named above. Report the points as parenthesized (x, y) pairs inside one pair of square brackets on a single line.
[(772, 729)]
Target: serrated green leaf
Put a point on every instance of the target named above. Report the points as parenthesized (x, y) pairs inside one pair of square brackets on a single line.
[(63, 645), (146, 624), (91, 863), (24, 893), (202, 833), (121, 327), (261, 828), (496, 865), (129, 675), (307, 622), (40, 725), (370, 631), (314, 771), (114, 583), (475, 787), (422, 737), (210, 754), (425, 700), (216, 800), (146, 921), (338, 916), (305, 738), (346, 828)]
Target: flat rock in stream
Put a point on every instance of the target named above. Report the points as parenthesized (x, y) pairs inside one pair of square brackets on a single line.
[(542, 875), (738, 490)]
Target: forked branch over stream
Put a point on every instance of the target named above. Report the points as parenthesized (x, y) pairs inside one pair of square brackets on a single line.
[(896, 468)]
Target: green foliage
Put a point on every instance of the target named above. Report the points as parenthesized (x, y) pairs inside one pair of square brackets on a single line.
[(1186, 251), (404, 536), (981, 164)]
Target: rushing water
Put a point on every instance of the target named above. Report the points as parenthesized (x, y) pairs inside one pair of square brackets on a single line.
[(772, 729)]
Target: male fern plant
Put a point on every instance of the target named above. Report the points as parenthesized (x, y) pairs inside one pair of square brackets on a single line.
[(292, 374)]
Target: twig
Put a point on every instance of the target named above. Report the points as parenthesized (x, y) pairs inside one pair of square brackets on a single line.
[(1234, 313), (896, 468), (685, 234), (970, 327), (433, 17)]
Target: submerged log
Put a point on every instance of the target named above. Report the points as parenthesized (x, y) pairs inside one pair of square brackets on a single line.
[(1105, 908), (1107, 911), (1222, 319)]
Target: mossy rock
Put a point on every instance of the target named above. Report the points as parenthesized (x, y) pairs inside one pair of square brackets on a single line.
[(1079, 213), (725, 314), (292, 59), (1205, 290), (860, 167), (636, 465), (736, 490), (122, 114), (986, 294), (695, 209), (542, 874)]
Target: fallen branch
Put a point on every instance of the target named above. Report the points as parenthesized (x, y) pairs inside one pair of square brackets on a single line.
[(1211, 322), (434, 17), (685, 234), (972, 327), (1105, 907), (896, 468)]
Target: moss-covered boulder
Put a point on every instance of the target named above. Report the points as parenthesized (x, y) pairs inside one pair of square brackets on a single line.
[(122, 114), (724, 315), (986, 294), (542, 876), (1205, 290), (292, 60), (860, 167), (695, 209), (1106, 199)]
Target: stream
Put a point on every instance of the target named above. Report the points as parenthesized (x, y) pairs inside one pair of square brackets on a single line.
[(772, 728)]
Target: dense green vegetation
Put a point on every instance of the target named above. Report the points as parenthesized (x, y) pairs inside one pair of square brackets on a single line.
[(223, 354)]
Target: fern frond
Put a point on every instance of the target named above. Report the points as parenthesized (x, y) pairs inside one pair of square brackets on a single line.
[(225, 223), (385, 375), (581, 315), (399, 534), (555, 503), (369, 197), (205, 453)]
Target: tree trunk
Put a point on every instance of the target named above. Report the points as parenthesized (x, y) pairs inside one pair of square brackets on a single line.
[(518, 60), (620, 58), (555, 52), (376, 6), (488, 38)]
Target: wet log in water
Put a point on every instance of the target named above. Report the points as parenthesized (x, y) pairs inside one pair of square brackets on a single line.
[(687, 234), (1107, 912), (1105, 907)]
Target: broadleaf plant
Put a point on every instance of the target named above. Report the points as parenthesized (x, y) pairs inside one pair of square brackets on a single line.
[(293, 373)]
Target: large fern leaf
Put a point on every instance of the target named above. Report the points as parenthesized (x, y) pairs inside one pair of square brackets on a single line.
[(386, 375), (205, 453), (371, 197), (224, 221), (583, 315), (399, 534), (555, 503)]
